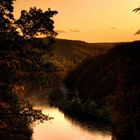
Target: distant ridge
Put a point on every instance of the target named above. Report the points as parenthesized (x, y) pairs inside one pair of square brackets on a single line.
[(77, 50), (68, 53)]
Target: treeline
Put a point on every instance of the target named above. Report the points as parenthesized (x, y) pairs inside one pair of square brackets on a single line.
[(111, 82)]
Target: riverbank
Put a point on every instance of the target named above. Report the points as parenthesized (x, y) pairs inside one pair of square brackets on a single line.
[(77, 114)]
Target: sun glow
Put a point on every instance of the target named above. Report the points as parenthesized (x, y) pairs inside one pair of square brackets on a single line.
[(90, 20)]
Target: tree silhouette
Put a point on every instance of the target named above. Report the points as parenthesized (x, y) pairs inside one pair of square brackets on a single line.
[(137, 10), (7, 28), (36, 22), (16, 61)]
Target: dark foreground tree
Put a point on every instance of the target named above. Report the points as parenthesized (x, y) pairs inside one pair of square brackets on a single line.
[(18, 64), (7, 28), (35, 22)]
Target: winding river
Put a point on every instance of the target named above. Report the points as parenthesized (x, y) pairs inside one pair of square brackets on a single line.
[(62, 128)]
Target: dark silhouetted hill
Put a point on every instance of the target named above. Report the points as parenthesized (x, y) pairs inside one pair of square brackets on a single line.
[(112, 80)]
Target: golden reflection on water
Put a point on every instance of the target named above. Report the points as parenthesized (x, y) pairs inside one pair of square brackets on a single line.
[(60, 128)]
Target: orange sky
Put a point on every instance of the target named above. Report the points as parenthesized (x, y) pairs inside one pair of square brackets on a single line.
[(91, 20)]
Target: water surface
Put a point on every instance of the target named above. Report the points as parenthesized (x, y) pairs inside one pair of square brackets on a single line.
[(62, 128)]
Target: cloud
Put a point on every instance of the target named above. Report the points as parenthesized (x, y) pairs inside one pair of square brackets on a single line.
[(113, 28), (67, 31), (74, 31), (61, 31)]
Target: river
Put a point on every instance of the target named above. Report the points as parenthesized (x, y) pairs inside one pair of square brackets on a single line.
[(62, 128)]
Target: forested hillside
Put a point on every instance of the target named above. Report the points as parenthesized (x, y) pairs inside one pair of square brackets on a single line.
[(112, 81), (68, 53), (79, 50)]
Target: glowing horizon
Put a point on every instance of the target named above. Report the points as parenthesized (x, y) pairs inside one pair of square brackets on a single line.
[(90, 20)]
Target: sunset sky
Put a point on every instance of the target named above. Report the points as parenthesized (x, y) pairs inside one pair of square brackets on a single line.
[(91, 20)]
